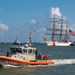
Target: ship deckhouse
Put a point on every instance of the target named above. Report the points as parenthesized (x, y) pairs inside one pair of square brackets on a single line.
[(23, 52)]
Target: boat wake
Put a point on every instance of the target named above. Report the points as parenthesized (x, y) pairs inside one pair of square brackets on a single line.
[(58, 62), (8, 66)]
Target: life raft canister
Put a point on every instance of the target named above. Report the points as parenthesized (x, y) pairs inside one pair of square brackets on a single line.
[(45, 57)]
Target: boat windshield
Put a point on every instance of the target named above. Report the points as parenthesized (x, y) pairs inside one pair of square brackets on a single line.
[(25, 50), (30, 51), (14, 50)]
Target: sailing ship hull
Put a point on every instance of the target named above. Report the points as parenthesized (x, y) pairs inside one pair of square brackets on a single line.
[(51, 43)]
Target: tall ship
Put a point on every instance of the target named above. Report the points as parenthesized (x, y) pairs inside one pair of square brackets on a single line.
[(59, 33)]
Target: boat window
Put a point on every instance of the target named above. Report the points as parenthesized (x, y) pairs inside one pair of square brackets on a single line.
[(25, 50), (30, 51), (34, 51), (14, 50)]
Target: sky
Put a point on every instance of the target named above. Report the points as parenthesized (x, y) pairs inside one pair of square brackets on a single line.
[(20, 17)]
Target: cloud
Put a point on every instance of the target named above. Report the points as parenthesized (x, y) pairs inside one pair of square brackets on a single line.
[(55, 11), (41, 30), (32, 22), (4, 27)]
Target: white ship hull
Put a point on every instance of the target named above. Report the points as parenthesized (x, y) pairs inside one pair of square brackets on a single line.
[(56, 43)]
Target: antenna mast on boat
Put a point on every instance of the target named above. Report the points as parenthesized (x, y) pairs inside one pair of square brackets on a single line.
[(16, 37), (30, 41)]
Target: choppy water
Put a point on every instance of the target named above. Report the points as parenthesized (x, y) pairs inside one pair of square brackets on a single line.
[(64, 58)]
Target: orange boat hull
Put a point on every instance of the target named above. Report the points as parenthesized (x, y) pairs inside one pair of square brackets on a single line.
[(26, 62)]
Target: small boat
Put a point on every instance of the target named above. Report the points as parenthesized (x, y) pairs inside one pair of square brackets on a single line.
[(73, 43), (27, 55), (16, 42), (3, 42)]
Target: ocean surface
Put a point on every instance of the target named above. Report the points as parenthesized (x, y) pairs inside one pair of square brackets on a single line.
[(64, 58)]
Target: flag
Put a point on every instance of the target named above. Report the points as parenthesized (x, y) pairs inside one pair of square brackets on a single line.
[(72, 32)]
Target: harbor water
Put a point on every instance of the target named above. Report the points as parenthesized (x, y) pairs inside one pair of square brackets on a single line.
[(64, 58)]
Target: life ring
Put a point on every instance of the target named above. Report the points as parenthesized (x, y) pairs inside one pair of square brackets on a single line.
[(45, 57)]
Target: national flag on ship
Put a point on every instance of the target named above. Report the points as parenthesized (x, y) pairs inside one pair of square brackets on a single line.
[(72, 32)]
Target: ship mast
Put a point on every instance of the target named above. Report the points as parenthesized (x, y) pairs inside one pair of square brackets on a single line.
[(61, 28), (54, 22), (62, 22), (67, 39)]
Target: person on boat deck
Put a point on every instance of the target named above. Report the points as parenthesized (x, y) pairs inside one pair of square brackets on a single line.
[(36, 53), (7, 54), (39, 56)]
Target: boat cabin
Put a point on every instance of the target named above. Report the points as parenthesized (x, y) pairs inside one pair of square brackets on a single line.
[(23, 52)]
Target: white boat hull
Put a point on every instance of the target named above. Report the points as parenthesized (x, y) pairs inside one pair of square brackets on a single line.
[(50, 43)]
